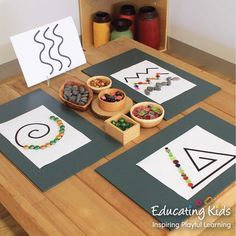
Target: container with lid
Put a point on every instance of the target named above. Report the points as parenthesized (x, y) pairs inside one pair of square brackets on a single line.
[(101, 28), (148, 26), (121, 28), (128, 12)]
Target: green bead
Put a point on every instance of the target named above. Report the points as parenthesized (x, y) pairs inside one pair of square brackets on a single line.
[(62, 126), (52, 142), (113, 122), (181, 171), (56, 139), (52, 117), (172, 158), (31, 147), (36, 148), (121, 120), (188, 181)]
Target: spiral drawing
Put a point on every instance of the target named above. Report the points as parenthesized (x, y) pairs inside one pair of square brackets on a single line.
[(34, 133), (49, 35)]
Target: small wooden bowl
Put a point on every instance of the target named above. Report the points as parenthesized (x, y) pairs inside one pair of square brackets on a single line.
[(148, 123), (104, 78), (111, 106), (71, 104)]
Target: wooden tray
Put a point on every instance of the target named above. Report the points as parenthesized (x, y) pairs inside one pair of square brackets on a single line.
[(105, 114)]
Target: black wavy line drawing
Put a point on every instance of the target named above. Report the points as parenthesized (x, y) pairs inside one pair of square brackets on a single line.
[(40, 54), (47, 38), (140, 73), (49, 52), (30, 133), (58, 49)]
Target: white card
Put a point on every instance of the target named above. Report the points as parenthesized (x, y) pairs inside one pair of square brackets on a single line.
[(19, 136), (202, 155), (48, 51), (146, 69)]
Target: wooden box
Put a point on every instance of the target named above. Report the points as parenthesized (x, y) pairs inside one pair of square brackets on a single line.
[(122, 136), (89, 7)]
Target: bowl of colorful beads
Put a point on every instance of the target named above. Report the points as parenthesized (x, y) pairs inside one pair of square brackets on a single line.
[(148, 114), (99, 83), (112, 99)]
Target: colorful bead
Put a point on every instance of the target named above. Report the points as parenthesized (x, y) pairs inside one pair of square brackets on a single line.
[(36, 147), (31, 147), (26, 147)]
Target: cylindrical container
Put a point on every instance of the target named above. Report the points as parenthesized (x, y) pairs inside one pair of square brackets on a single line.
[(128, 12), (148, 27), (101, 29), (121, 28)]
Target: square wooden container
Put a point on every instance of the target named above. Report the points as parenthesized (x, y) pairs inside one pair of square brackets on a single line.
[(122, 136), (89, 7)]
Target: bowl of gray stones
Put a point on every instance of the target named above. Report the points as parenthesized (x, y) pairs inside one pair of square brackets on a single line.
[(76, 95)]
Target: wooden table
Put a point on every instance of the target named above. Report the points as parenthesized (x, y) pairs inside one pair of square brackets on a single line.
[(86, 204)]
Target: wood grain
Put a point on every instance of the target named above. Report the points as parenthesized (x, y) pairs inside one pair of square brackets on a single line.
[(86, 204)]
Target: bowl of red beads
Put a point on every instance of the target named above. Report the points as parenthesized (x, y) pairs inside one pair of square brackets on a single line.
[(148, 114), (111, 99)]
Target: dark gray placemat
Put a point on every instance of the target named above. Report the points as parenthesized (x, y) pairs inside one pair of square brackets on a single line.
[(52, 174), (147, 191), (173, 106)]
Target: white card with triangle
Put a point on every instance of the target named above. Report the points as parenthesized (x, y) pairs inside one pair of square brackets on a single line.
[(191, 161)]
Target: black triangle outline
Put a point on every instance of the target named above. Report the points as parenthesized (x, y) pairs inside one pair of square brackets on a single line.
[(224, 154), (204, 158)]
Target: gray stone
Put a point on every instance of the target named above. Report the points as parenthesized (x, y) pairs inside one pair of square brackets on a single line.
[(72, 99), (175, 78), (168, 83), (157, 88), (150, 89), (75, 87), (163, 83), (75, 92), (168, 78), (146, 92), (81, 89)]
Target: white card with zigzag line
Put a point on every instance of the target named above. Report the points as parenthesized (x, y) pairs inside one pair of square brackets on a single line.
[(146, 69), (48, 51)]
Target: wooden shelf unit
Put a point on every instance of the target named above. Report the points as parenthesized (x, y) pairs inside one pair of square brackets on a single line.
[(89, 7)]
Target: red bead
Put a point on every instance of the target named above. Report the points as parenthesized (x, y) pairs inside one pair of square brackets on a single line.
[(190, 185)]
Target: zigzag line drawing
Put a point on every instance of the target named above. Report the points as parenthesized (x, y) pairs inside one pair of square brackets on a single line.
[(58, 49), (50, 49), (47, 38), (40, 54), (140, 73)]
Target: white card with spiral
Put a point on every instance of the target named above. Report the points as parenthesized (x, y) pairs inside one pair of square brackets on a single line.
[(48, 51), (42, 136)]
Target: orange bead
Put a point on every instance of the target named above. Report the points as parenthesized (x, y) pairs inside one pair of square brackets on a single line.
[(48, 145), (26, 147), (43, 147)]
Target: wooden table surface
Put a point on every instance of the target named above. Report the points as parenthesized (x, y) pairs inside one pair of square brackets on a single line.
[(87, 204)]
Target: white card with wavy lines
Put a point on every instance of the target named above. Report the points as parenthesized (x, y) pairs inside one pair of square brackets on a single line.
[(35, 128), (146, 69), (48, 51)]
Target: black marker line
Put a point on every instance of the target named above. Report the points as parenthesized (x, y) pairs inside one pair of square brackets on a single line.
[(30, 133), (140, 73), (58, 49), (40, 54), (53, 43)]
